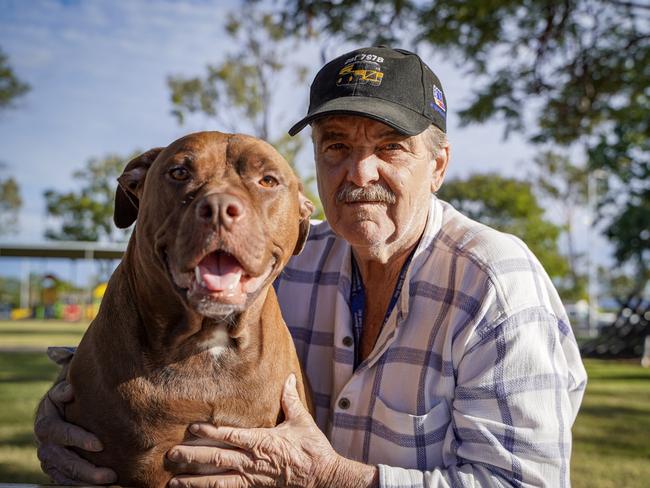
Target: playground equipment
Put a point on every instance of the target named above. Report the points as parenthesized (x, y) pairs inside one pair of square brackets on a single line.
[(46, 296)]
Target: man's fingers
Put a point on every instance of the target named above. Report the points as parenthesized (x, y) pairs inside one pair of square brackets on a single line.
[(62, 464), (61, 393), (226, 458), (59, 478), (291, 404), (51, 428), (212, 460), (244, 438)]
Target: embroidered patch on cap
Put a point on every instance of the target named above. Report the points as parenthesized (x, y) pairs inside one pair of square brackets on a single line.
[(437, 98)]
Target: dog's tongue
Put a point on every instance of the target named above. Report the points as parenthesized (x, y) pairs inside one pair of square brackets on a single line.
[(220, 271)]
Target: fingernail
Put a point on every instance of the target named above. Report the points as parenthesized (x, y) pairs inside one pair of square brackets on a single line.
[(173, 483), (173, 455), (194, 429), (94, 446), (292, 380)]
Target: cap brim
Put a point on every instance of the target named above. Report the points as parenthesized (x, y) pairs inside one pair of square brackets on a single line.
[(400, 118)]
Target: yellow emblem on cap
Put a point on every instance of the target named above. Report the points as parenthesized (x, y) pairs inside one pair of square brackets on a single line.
[(360, 72)]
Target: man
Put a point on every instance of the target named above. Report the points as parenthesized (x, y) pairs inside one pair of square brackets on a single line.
[(438, 351)]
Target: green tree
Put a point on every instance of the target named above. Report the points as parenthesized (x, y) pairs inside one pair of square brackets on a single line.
[(9, 291), (624, 155), (238, 92), (578, 70), (616, 284), (565, 184), (11, 88), (508, 205), (10, 204), (86, 213)]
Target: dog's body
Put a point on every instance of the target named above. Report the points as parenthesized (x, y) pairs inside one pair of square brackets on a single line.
[(190, 328)]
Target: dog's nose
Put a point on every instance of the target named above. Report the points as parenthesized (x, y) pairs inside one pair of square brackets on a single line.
[(220, 209)]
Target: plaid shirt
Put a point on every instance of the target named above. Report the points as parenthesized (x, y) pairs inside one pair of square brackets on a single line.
[(475, 379)]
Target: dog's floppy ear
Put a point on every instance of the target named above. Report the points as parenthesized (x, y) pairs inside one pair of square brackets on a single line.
[(306, 209), (129, 188)]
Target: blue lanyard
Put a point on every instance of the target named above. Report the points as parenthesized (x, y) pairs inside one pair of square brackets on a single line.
[(358, 303)]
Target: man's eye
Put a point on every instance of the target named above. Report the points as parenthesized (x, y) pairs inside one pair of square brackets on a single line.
[(393, 146), (179, 173), (337, 146), (268, 181)]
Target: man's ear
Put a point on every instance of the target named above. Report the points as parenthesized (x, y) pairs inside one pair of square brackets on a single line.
[(440, 167), (129, 188), (306, 209)]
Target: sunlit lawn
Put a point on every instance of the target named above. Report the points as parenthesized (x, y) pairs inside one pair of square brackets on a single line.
[(39, 334), (612, 431), (611, 447)]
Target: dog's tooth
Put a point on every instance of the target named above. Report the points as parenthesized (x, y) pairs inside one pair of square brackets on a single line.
[(197, 274)]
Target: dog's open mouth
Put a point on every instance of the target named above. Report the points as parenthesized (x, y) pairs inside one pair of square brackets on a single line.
[(220, 276)]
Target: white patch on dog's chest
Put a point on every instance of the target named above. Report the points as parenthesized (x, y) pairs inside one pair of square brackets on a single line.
[(217, 342)]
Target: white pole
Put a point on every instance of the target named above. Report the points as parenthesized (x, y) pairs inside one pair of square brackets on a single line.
[(24, 285), (591, 278)]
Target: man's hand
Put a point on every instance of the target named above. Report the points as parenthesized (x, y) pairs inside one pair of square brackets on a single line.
[(54, 434), (295, 453)]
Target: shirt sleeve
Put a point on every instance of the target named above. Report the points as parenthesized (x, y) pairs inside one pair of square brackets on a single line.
[(519, 385)]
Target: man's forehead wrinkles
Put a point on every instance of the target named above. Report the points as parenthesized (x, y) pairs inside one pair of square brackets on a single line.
[(333, 134), (361, 133), (355, 127)]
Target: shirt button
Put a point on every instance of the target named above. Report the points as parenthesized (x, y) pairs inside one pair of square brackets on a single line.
[(344, 403), (348, 341)]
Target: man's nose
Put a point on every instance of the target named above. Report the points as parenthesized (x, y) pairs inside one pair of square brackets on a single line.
[(362, 169), (220, 209)]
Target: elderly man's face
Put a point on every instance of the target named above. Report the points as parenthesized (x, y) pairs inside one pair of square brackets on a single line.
[(374, 182)]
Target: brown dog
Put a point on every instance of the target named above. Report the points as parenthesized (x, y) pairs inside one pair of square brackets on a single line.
[(190, 328)]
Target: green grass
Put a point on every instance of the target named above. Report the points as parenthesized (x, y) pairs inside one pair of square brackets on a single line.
[(39, 334), (611, 433), (24, 378)]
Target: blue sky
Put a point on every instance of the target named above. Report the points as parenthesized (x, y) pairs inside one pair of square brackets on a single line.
[(98, 75)]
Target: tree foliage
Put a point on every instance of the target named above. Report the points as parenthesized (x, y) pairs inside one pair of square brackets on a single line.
[(239, 92), (508, 205), (10, 204), (624, 155), (9, 291), (579, 70), (11, 87), (559, 180), (86, 213)]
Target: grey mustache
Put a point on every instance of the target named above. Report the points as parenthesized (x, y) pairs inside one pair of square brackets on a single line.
[(373, 193)]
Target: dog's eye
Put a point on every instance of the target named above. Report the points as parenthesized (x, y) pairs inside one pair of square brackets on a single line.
[(179, 173), (268, 181)]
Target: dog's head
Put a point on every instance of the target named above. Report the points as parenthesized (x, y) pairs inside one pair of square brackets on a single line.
[(221, 213)]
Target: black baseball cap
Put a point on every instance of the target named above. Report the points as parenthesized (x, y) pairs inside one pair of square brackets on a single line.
[(393, 86)]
